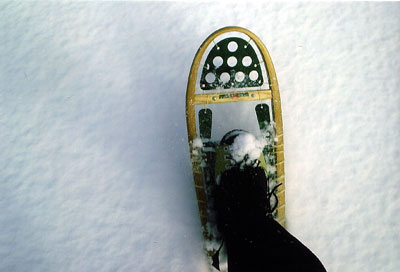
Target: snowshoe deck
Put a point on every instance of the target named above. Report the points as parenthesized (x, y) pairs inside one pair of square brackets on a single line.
[(232, 65)]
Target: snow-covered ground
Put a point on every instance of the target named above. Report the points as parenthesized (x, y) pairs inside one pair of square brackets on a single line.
[(94, 165)]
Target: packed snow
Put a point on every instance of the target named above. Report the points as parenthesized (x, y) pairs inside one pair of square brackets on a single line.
[(197, 143), (95, 170), (247, 148)]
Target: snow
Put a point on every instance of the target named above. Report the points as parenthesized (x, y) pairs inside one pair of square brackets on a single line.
[(197, 143), (246, 147), (95, 170)]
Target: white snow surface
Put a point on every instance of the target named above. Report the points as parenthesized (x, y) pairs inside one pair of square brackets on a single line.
[(95, 172)]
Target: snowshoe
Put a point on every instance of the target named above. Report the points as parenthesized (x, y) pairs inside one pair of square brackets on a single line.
[(232, 84)]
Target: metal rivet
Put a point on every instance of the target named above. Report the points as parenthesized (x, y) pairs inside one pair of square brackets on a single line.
[(214, 98)]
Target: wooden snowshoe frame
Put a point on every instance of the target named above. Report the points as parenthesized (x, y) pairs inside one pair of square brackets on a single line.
[(236, 93)]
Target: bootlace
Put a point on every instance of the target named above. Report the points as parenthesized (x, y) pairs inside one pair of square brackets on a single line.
[(270, 209)]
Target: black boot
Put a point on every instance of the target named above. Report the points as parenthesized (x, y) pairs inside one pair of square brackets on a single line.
[(254, 240)]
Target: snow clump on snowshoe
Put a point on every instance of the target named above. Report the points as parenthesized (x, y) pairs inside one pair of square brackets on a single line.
[(245, 149)]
